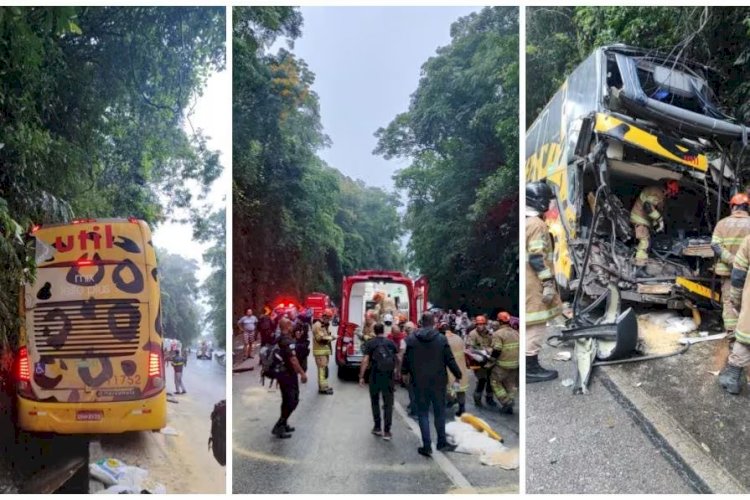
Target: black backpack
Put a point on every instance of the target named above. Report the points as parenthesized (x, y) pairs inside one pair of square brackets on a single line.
[(271, 362), (217, 442), (383, 358)]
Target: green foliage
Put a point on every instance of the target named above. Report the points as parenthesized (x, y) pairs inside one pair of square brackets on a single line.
[(180, 313), (212, 229), (461, 135), (558, 38), (92, 103), (298, 225)]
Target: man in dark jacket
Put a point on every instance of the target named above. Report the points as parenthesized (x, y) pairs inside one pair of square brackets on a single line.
[(425, 361)]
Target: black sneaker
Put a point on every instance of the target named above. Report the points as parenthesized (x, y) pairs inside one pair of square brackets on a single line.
[(377, 432), (280, 433), (387, 436), (446, 447), (425, 452), (288, 428)]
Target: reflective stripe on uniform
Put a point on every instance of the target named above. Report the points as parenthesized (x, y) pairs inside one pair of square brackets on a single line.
[(637, 219)]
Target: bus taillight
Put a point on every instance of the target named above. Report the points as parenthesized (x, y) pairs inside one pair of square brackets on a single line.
[(154, 364), (23, 370)]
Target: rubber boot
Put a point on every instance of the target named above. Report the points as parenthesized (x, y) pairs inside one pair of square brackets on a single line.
[(732, 378), (490, 401), (478, 400), (535, 372), (507, 408)]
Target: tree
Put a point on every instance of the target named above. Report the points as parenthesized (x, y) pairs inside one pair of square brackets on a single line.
[(461, 135), (298, 225), (180, 312), (212, 229)]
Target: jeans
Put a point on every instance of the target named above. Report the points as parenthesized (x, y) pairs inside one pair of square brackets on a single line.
[(412, 409), (382, 383), (424, 398), (289, 385), (178, 385)]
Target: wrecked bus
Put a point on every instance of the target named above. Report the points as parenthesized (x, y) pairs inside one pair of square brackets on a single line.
[(624, 119)]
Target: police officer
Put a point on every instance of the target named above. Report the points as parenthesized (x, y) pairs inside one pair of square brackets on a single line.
[(542, 300), (647, 216), (504, 371), (287, 379), (322, 339), (480, 339), (728, 234)]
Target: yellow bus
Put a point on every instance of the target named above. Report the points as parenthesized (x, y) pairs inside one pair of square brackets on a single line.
[(627, 118), (90, 353)]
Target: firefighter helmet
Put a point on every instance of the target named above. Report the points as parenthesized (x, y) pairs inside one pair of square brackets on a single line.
[(538, 196), (739, 199), (672, 188)]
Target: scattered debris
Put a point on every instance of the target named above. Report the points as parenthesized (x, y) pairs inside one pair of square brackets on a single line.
[(170, 431), (480, 425), (119, 477), (705, 447), (660, 333), (568, 382), (638, 384), (563, 356), (695, 340), (715, 374), (552, 440), (506, 459)]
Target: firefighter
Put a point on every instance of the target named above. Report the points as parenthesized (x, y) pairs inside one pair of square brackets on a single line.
[(456, 388), (322, 340), (728, 234), (732, 377), (379, 309), (368, 329), (542, 300), (647, 217), (480, 339), (504, 364)]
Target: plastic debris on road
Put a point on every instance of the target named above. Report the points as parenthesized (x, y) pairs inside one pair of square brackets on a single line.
[(505, 459), (568, 382), (119, 477), (563, 356), (476, 438), (170, 431)]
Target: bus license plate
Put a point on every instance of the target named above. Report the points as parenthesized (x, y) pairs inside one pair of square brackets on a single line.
[(89, 415)]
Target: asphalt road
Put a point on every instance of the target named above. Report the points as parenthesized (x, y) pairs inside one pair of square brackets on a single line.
[(593, 443), (332, 450), (182, 463)]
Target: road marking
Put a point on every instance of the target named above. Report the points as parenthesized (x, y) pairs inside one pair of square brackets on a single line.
[(266, 457), (450, 470)]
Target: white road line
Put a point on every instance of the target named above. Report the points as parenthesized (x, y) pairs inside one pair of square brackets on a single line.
[(450, 470)]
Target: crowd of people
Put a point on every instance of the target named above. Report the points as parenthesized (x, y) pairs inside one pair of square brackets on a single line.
[(433, 360)]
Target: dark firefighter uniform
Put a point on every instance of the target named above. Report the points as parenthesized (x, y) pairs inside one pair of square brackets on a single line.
[(646, 217)]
